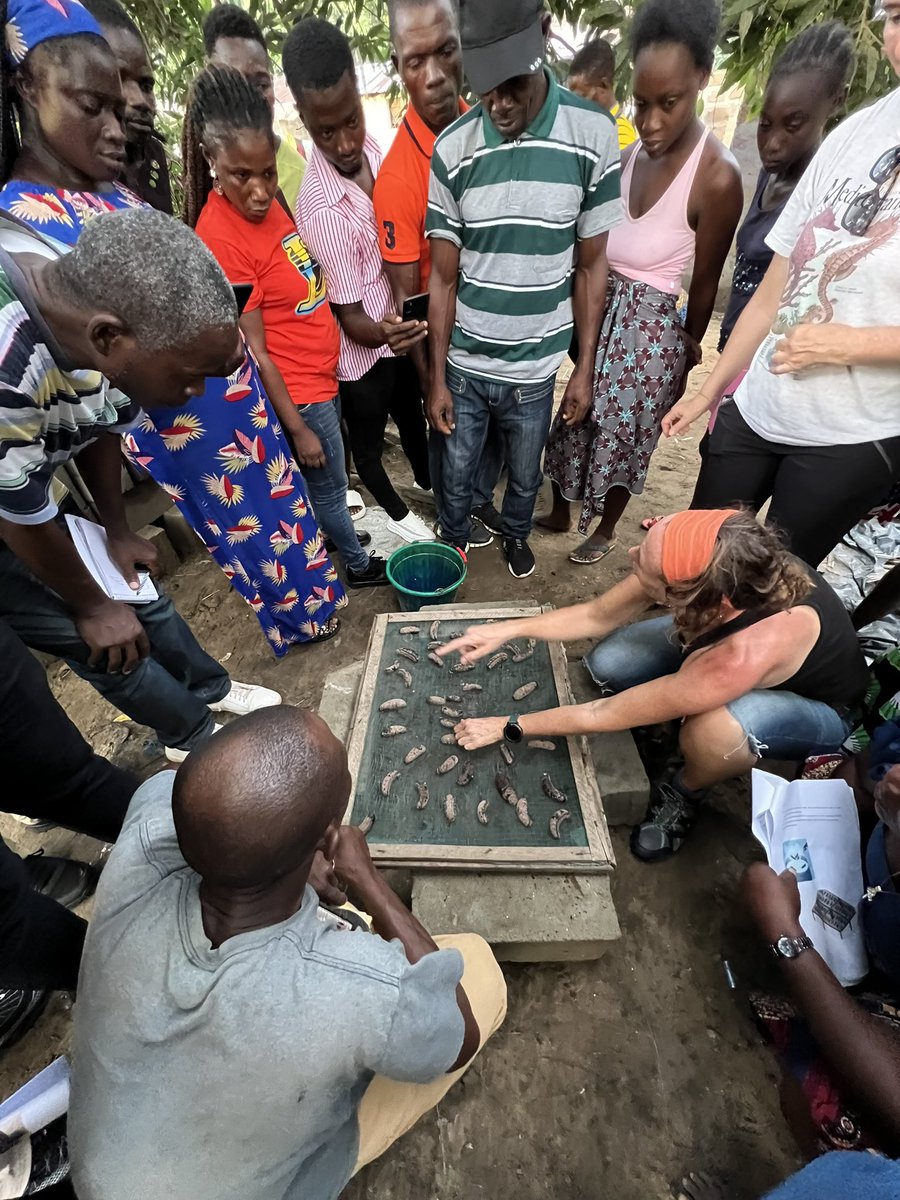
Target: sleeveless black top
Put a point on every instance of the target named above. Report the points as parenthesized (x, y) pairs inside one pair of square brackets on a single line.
[(834, 671)]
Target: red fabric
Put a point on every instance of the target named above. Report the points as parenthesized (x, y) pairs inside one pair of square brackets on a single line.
[(401, 195), (288, 287), (689, 540)]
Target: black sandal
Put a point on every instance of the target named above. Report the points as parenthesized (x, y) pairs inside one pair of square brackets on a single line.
[(330, 629)]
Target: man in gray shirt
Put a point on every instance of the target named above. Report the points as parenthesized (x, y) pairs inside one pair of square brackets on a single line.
[(228, 1031)]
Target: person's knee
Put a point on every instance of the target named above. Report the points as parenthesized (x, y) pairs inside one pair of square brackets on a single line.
[(717, 737), (483, 980), (611, 667)]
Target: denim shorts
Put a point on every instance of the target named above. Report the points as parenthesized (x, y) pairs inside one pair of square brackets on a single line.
[(777, 724)]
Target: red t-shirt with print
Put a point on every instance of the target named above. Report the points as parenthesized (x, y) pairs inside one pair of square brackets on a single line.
[(302, 335)]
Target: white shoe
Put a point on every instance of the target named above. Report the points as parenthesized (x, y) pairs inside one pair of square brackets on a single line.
[(411, 529), (425, 491), (246, 698), (38, 824), (178, 756)]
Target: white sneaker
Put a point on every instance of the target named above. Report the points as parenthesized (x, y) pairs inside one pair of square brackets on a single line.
[(38, 824), (246, 698), (411, 529), (178, 756)]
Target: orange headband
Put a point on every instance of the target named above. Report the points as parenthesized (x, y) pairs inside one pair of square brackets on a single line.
[(689, 540)]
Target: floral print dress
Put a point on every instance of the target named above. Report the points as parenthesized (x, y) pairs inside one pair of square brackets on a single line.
[(222, 458)]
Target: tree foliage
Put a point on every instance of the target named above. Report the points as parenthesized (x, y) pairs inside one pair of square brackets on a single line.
[(753, 34)]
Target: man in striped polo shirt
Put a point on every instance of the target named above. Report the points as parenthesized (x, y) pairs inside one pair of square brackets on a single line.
[(524, 190)]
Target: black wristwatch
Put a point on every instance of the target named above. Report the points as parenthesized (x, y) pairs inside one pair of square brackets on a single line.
[(512, 730), (790, 948)]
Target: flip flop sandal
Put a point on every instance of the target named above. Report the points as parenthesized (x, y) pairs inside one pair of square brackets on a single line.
[(588, 556), (356, 506), (700, 1186), (329, 630), (648, 523)]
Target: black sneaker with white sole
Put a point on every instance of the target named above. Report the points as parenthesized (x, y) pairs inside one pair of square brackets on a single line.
[(489, 518), (518, 557), (375, 574), (462, 547), (479, 535)]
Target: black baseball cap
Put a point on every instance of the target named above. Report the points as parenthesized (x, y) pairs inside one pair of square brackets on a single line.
[(500, 40)]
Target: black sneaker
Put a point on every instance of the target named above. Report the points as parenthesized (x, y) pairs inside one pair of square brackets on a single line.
[(489, 518), (375, 574), (519, 557), (62, 879), (670, 818), (363, 536), (462, 547), (18, 1012), (479, 535)]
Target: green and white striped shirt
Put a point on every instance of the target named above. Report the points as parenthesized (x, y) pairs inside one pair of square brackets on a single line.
[(516, 209)]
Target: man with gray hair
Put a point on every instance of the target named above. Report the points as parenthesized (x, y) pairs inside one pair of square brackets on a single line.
[(137, 314)]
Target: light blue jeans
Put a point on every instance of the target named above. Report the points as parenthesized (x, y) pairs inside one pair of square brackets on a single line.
[(327, 486), (776, 724)]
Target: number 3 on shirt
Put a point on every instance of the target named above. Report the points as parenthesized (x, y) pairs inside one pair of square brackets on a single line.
[(390, 238)]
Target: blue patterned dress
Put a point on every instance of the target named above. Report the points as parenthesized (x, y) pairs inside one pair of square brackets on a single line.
[(223, 460)]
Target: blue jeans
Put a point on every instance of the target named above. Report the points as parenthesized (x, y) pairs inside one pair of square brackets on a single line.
[(488, 474), (522, 415), (776, 724), (169, 690), (327, 486)]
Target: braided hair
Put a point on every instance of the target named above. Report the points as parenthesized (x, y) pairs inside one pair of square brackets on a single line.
[(827, 49), (693, 24), (11, 115), (221, 104)]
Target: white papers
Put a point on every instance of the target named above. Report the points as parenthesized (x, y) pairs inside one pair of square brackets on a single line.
[(811, 827), (38, 1102), (89, 540)]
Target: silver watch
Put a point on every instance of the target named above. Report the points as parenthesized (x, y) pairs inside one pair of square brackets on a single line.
[(788, 947)]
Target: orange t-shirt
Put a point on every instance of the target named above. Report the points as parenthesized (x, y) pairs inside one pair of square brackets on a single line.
[(401, 194), (302, 334)]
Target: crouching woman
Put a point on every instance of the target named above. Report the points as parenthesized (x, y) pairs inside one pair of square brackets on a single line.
[(757, 658)]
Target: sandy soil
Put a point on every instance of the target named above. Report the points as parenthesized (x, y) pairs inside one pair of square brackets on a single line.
[(609, 1078)]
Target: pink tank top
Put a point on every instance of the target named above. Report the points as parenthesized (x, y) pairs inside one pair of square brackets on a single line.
[(658, 247)]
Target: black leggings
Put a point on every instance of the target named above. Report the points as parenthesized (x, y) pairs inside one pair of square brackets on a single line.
[(818, 493), (390, 389), (49, 771)]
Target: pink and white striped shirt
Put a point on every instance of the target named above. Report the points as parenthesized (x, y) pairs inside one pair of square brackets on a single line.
[(336, 220)]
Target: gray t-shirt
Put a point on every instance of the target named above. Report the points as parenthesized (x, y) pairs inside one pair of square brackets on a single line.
[(236, 1073)]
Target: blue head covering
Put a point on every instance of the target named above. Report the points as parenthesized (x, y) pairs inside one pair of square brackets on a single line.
[(30, 22)]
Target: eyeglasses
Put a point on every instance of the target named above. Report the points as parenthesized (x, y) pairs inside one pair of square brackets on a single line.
[(864, 209)]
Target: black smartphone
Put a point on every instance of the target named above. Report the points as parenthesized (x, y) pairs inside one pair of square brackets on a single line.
[(242, 293), (415, 308)]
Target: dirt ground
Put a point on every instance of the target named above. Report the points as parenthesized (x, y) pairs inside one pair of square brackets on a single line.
[(609, 1078)]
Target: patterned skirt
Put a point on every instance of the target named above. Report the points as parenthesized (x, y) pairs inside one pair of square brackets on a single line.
[(223, 458), (637, 378)]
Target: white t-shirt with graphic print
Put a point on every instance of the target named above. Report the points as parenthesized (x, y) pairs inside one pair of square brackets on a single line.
[(834, 276)]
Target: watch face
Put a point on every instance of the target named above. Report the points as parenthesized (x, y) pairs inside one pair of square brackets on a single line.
[(786, 947), (513, 731)]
